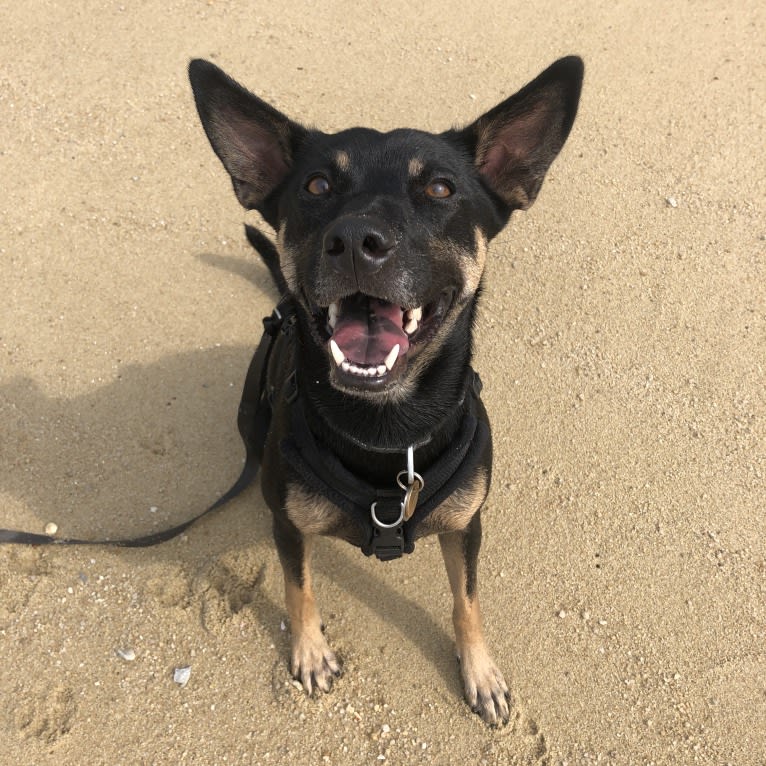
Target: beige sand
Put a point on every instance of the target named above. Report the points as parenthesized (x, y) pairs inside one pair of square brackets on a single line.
[(622, 343)]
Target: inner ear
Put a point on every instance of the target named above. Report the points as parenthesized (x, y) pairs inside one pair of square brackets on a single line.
[(255, 155), (515, 143), (254, 141)]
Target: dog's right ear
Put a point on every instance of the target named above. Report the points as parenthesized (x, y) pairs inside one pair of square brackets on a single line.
[(254, 141)]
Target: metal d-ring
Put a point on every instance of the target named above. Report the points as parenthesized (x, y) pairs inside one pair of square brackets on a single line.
[(379, 523)]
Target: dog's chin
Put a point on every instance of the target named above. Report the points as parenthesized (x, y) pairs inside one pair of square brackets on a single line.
[(373, 344)]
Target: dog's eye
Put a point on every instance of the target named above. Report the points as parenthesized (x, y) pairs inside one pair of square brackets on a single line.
[(439, 189), (318, 185)]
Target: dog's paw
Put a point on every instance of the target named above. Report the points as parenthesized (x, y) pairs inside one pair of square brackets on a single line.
[(485, 689), (313, 663)]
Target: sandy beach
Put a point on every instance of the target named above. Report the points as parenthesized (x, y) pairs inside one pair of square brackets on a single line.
[(621, 341)]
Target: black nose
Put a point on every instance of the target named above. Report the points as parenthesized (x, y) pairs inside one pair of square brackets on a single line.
[(358, 244)]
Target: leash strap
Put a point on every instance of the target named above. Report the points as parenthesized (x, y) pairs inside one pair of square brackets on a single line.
[(253, 421)]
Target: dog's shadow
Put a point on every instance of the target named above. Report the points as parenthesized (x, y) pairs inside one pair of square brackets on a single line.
[(153, 448)]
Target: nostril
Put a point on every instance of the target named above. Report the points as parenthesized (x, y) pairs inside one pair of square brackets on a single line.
[(376, 245), (336, 246)]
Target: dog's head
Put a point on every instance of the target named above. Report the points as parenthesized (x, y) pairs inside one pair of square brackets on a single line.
[(382, 237)]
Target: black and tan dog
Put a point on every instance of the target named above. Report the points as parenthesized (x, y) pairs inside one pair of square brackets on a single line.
[(377, 433)]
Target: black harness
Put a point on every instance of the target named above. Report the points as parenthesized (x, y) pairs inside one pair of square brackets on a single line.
[(388, 517), (382, 513)]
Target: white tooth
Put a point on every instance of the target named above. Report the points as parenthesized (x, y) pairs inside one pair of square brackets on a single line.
[(332, 314), (345, 366), (393, 355), (417, 314), (337, 354), (381, 369), (411, 326)]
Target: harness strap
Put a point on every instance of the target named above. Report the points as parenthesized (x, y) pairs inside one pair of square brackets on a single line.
[(253, 421)]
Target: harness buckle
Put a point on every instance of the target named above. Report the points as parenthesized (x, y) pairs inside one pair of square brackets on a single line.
[(387, 516)]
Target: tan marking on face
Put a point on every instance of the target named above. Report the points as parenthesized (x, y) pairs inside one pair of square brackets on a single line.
[(456, 512), (415, 167), (474, 267), (312, 514), (286, 261), (342, 161)]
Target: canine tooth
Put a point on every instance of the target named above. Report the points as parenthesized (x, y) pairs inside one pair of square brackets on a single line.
[(345, 366), (411, 326), (417, 314), (332, 314), (381, 369), (393, 355), (337, 354)]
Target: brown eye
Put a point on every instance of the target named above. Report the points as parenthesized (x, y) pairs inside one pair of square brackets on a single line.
[(439, 190), (318, 185)]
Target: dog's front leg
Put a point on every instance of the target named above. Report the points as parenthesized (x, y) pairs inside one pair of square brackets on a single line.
[(312, 661), (485, 688)]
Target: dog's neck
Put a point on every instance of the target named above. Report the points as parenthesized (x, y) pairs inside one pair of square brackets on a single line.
[(372, 438)]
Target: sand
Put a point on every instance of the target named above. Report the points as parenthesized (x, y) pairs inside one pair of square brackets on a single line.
[(622, 342)]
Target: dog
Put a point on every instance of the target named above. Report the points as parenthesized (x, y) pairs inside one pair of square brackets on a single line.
[(376, 431)]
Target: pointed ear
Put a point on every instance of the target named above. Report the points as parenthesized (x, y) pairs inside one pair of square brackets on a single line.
[(253, 140), (515, 143)]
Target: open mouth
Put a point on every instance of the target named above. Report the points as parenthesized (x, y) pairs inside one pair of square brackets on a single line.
[(370, 339)]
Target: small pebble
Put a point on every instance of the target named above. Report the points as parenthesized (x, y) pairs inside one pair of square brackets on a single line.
[(181, 675), (672, 202), (562, 613), (51, 528), (127, 654)]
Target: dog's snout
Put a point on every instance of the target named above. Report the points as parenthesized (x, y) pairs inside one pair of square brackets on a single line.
[(358, 244)]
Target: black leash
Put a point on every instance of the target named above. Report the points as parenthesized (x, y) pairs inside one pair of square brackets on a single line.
[(253, 421)]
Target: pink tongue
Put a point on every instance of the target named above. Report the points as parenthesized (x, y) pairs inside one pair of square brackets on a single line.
[(367, 329)]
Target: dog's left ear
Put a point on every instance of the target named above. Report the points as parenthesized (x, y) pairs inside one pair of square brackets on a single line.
[(515, 143)]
